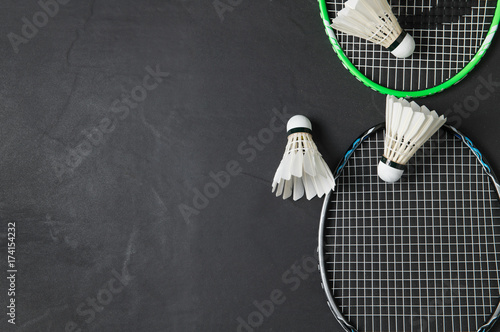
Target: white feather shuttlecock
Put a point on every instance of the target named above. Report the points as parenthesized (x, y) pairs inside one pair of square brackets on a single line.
[(302, 169), (408, 127), (374, 21)]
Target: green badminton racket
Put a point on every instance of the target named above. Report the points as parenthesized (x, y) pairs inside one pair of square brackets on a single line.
[(451, 37)]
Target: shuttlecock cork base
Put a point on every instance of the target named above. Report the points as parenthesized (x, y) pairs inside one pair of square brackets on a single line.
[(408, 127), (390, 171), (374, 21), (302, 169), (403, 46)]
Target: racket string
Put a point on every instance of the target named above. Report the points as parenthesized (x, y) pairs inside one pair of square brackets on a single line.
[(391, 268), (447, 36)]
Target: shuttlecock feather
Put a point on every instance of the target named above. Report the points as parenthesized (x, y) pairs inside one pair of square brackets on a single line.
[(374, 21), (408, 127), (302, 168)]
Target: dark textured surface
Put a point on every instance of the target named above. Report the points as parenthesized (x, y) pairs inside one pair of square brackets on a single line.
[(82, 219)]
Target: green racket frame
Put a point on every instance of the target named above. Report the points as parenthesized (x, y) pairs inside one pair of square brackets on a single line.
[(408, 94)]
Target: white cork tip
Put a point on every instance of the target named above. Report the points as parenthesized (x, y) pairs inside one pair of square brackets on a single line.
[(389, 174), (406, 48), (298, 121)]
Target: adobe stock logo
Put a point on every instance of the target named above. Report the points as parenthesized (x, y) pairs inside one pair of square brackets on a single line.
[(96, 136), (249, 148), (471, 103), (221, 7), (292, 278), (92, 306), (30, 28), (439, 307)]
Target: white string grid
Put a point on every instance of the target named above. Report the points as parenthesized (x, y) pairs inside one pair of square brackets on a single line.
[(442, 49), (418, 255)]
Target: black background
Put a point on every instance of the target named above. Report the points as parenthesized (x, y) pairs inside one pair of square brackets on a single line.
[(118, 210)]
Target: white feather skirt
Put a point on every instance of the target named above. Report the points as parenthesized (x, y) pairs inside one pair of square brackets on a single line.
[(302, 170)]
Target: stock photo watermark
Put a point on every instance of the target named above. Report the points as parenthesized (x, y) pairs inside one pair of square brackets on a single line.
[(31, 26), (57, 234), (223, 6), (463, 109), (89, 309), (93, 305), (292, 278), (11, 272), (95, 136), (249, 148), (438, 307)]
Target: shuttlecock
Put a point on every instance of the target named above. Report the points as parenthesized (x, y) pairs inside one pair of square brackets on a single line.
[(302, 169), (374, 21), (408, 127)]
